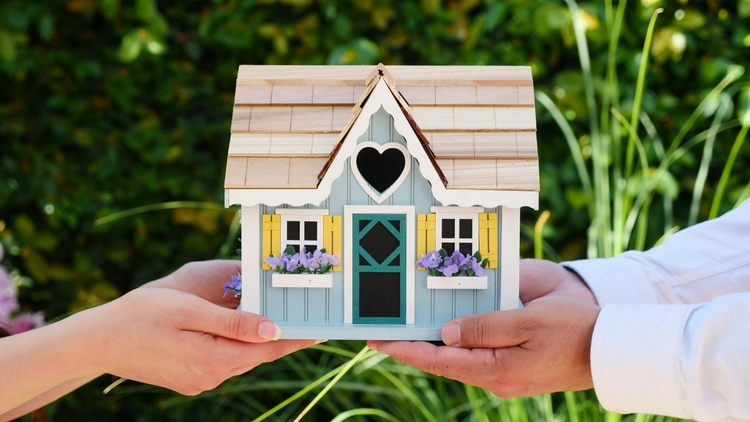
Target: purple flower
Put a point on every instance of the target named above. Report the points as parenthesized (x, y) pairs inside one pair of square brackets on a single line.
[(25, 322), (325, 259), (235, 285), (456, 258), (448, 270), (8, 295), (274, 262), (476, 267), (293, 261), (334, 260), (429, 260)]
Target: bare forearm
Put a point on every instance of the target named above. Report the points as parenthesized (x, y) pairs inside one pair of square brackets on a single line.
[(45, 398), (47, 358)]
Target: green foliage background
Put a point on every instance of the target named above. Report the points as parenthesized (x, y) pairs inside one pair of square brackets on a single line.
[(109, 105)]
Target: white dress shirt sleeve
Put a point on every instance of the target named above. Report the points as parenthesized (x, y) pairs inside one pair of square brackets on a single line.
[(658, 347)]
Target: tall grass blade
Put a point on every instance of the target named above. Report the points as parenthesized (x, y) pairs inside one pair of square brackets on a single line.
[(708, 148), (639, 87), (572, 142), (538, 238), (333, 382), (667, 235), (732, 75), (159, 207), (727, 171), (365, 412)]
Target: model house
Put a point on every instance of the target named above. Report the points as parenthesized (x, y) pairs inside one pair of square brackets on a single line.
[(380, 165)]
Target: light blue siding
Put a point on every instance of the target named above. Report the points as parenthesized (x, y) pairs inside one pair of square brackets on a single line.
[(311, 310)]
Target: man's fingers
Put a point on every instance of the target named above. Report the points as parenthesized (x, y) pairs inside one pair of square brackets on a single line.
[(480, 367), (490, 330), (237, 325)]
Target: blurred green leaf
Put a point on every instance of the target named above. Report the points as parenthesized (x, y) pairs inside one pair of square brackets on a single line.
[(24, 228), (130, 47), (46, 27), (743, 109), (109, 8), (495, 15), (691, 20), (743, 8), (360, 51), (7, 47)]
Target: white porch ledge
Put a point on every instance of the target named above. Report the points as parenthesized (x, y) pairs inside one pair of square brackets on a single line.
[(302, 280), (462, 282)]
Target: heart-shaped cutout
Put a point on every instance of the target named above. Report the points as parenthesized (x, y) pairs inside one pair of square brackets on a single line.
[(380, 169)]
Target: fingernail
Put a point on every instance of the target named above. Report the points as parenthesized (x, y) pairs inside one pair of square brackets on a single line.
[(452, 334), (320, 341), (267, 330)]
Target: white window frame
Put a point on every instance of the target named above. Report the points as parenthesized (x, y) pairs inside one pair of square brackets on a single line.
[(457, 213), (301, 216)]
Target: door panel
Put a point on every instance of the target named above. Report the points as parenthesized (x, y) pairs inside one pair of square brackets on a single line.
[(379, 270)]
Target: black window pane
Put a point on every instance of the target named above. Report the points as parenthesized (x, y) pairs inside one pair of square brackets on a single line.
[(396, 225), (379, 295), (379, 242), (464, 229), (395, 262), (449, 247), (449, 228), (311, 248), (296, 248), (363, 224), (292, 230), (363, 261), (311, 230), (465, 248)]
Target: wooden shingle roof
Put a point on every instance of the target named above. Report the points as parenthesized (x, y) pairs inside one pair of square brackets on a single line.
[(477, 120)]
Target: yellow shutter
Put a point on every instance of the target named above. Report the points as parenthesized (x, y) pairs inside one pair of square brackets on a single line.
[(332, 236), (425, 234), (488, 237), (271, 237)]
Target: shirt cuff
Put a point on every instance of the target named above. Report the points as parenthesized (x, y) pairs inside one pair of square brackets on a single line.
[(634, 358), (616, 280)]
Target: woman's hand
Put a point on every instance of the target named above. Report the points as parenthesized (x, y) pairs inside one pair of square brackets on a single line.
[(204, 279), (182, 342)]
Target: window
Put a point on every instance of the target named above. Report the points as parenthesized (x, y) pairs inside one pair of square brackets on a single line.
[(301, 227), (457, 233), (457, 229)]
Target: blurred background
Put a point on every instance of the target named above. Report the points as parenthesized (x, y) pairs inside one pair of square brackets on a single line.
[(114, 128)]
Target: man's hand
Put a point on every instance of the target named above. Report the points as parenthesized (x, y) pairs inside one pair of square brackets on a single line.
[(541, 348), (540, 278)]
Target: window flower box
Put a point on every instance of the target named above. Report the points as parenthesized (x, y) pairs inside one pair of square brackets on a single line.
[(460, 282), (302, 280)]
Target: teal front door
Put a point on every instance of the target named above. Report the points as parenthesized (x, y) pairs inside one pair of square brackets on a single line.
[(379, 270)]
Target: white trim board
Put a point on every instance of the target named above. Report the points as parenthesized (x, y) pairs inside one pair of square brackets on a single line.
[(381, 96), (349, 211), (251, 276), (510, 237)]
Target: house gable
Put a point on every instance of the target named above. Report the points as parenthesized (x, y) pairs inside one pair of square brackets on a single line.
[(473, 132)]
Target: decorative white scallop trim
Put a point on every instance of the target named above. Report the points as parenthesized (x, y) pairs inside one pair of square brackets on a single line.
[(379, 198)]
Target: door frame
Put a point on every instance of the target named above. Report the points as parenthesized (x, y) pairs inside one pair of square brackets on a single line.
[(349, 210)]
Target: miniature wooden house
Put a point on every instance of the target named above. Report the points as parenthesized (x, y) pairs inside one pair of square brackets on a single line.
[(380, 165)]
